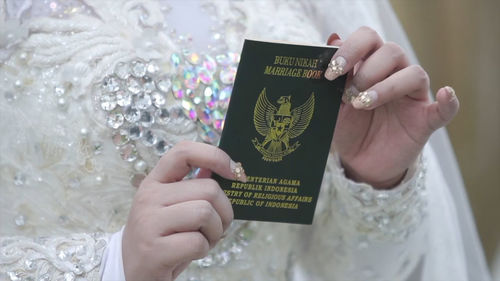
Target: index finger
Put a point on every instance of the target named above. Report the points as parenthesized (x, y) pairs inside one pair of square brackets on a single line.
[(179, 161), (358, 46)]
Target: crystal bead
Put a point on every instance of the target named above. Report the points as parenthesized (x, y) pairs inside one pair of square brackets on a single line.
[(140, 166), (161, 147), (224, 257), (123, 99), (135, 132), (110, 84), (108, 102), (207, 134), (228, 59), (19, 179), (164, 84), (149, 87), (206, 262), (61, 102), (224, 97), (158, 99), (138, 68), (205, 76), (149, 138), (189, 109), (59, 90), (115, 120), (44, 277), (191, 79), (205, 116), (62, 255), (143, 101), (177, 89), (152, 68), (227, 75), (193, 58), (120, 137), (209, 64), (218, 120), (147, 119), (77, 269), (20, 220), (133, 85), (175, 59), (13, 276), (29, 265), (234, 58), (131, 114), (128, 152), (122, 70), (69, 276), (162, 116)]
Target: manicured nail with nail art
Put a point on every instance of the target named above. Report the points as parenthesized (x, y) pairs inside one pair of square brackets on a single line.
[(451, 93), (350, 94), (238, 171), (365, 99), (335, 68)]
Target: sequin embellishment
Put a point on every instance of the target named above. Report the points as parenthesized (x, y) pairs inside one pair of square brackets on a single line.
[(141, 98)]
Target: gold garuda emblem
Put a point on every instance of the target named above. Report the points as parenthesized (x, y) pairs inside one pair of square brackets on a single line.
[(280, 125)]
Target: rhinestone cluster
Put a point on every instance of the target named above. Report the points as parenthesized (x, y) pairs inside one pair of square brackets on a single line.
[(387, 215), (237, 238), (204, 84), (135, 99)]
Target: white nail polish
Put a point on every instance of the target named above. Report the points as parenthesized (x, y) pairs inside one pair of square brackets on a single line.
[(451, 93), (335, 68), (365, 99)]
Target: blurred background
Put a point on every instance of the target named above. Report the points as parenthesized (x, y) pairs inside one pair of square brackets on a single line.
[(458, 43)]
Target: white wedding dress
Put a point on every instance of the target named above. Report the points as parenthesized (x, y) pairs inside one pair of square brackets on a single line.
[(93, 92)]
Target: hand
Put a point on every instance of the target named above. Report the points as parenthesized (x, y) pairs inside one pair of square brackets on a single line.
[(174, 221), (381, 131)]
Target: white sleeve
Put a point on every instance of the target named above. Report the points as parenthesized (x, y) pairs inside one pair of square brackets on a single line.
[(112, 262), (384, 230)]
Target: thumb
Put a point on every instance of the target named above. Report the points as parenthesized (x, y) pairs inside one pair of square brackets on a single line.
[(442, 111)]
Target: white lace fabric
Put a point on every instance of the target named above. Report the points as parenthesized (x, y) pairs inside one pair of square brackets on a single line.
[(70, 257)]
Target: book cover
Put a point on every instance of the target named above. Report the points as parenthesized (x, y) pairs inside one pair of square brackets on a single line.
[(279, 125)]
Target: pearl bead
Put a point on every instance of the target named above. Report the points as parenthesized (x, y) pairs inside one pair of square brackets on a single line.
[(140, 166)]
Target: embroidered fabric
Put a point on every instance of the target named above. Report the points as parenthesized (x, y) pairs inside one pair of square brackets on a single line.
[(68, 258)]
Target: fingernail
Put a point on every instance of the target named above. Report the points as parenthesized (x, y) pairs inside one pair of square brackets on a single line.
[(451, 93), (335, 68), (349, 94), (365, 99), (333, 37), (238, 171)]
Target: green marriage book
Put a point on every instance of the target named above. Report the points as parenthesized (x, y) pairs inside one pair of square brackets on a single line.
[(279, 125)]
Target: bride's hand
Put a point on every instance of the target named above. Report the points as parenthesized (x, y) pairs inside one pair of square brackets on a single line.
[(381, 131), (174, 221)]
